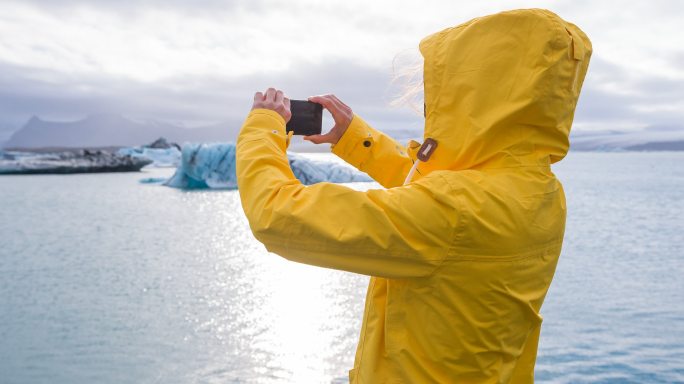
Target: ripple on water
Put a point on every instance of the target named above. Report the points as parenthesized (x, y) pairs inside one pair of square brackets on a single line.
[(104, 279)]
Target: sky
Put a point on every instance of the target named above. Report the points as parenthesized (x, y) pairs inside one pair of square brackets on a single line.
[(200, 62)]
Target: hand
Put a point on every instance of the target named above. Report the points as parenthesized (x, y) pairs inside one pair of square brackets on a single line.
[(340, 112), (274, 100)]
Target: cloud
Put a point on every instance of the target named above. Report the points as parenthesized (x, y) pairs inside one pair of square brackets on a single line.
[(199, 62), (614, 97), (195, 100)]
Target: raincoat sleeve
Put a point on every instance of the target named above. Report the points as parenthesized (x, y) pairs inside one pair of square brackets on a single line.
[(394, 233), (374, 153)]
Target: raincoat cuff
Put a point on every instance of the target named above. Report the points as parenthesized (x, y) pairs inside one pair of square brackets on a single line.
[(269, 112), (267, 123), (355, 144)]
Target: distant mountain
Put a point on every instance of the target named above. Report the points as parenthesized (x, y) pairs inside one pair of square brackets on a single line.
[(108, 130), (654, 138), (5, 135), (112, 130)]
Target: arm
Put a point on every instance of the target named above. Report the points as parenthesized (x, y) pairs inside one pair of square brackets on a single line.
[(373, 152), (400, 232), (367, 149)]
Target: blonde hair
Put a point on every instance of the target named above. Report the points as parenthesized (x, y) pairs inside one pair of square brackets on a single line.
[(407, 80)]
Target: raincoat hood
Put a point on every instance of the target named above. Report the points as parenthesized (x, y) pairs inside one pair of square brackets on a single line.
[(501, 90)]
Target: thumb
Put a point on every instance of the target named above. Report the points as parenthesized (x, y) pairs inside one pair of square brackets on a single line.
[(317, 139)]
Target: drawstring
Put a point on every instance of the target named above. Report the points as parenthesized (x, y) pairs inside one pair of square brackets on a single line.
[(411, 172), (424, 153)]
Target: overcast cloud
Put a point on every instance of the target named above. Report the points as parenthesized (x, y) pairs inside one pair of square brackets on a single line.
[(200, 62)]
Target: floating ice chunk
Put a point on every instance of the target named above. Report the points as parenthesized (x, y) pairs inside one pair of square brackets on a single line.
[(161, 157), (69, 161), (205, 166), (152, 180), (213, 166), (310, 171)]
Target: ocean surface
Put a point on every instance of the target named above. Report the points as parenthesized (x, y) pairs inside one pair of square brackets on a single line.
[(107, 280)]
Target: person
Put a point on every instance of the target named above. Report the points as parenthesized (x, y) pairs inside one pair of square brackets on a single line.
[(462, 253)]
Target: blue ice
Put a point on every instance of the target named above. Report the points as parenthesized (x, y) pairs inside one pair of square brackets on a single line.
[(213, 166), (161, 157)]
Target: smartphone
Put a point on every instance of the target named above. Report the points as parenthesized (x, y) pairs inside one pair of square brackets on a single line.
[(307, 118)]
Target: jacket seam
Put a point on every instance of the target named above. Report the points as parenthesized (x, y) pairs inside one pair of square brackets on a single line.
[(505, 258), (371, 289), (295, 245), (453, 254), (454, 231)]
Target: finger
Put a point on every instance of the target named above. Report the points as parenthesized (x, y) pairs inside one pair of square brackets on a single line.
[(270, 94), (316, 139), (326, 102), (318, 100), (279, 97), (338, 105), (321, 138), (339, 101), (321, 99), (286, 101), (258, 96), (338, 111), (334, 102)]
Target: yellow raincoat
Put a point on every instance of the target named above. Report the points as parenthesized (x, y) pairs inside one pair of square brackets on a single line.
[(463, 256)]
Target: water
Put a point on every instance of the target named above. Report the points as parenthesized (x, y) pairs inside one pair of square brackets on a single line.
[(104, 279), (615, 311)]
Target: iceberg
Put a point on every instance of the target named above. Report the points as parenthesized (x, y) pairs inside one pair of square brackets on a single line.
[(162, 153), (653, 138), (213, 166), (311, 171), (160, 157), (205, 166), (153, 180), (68, 161)]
